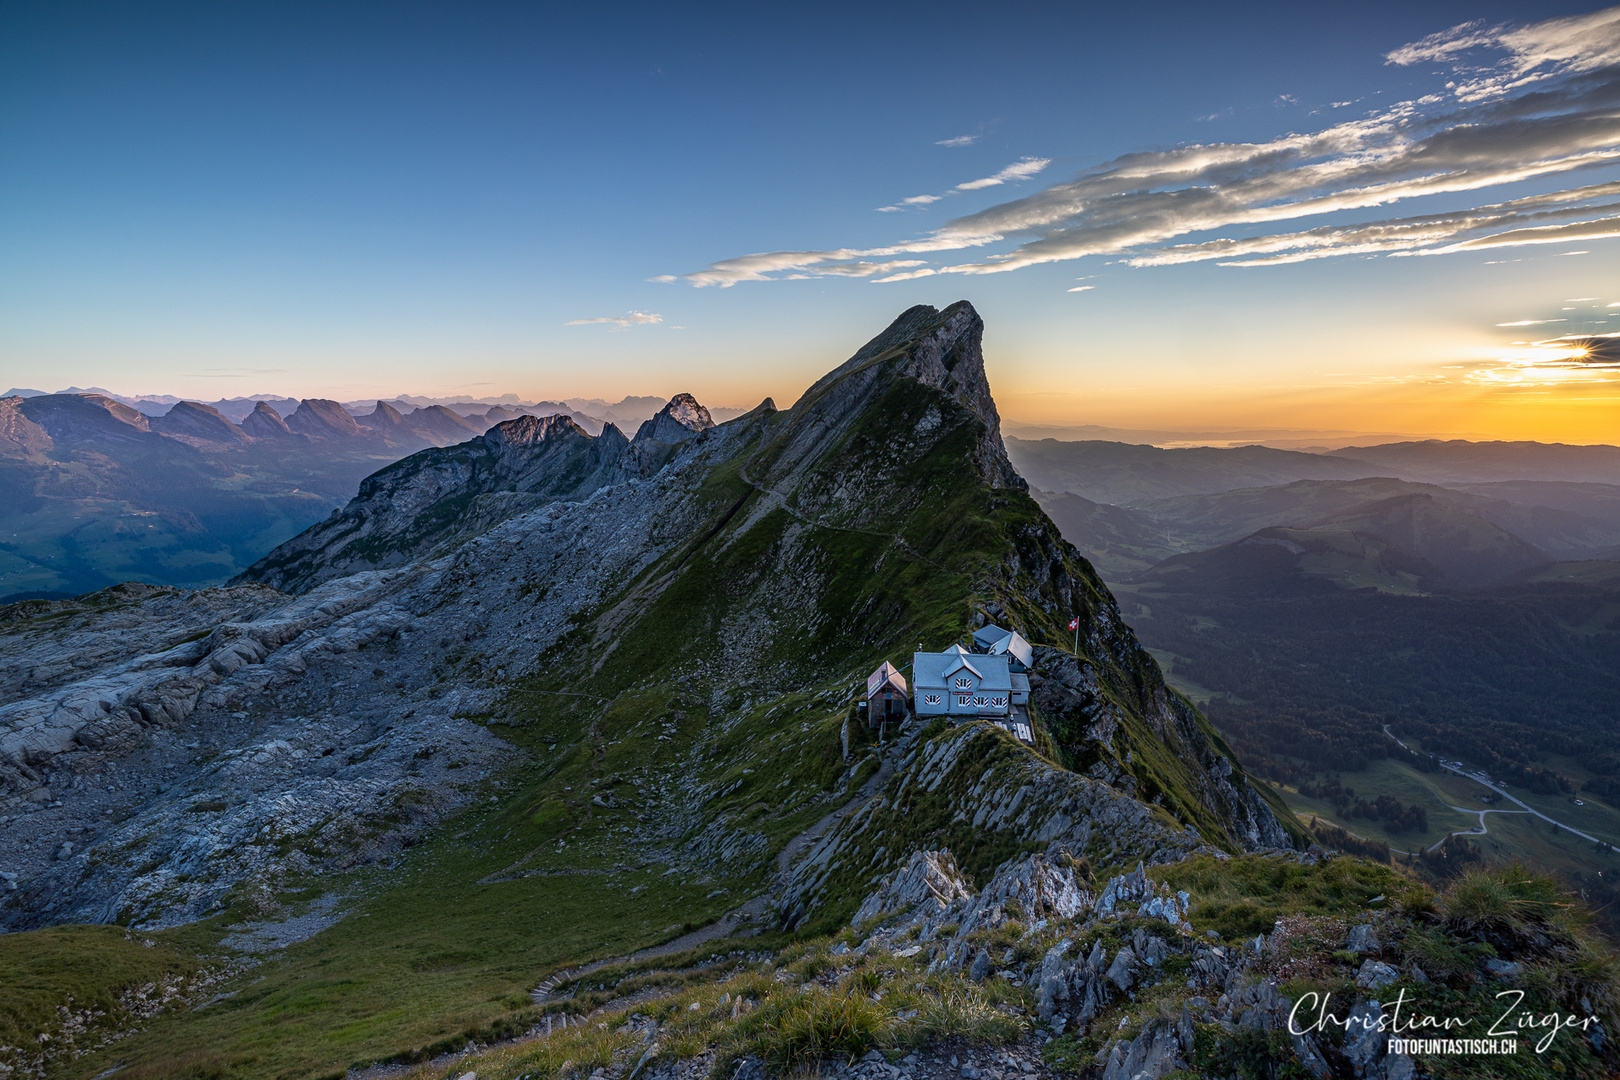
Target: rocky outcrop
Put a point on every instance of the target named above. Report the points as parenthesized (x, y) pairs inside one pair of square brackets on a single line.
[(183, 771), (928, 884), (132, 691), (1195, 779), (966, 777)]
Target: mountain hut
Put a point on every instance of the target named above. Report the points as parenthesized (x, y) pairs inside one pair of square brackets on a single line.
[(886, 697)]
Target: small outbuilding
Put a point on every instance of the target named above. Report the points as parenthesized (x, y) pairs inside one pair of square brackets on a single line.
[(993, 640), (886, 697)]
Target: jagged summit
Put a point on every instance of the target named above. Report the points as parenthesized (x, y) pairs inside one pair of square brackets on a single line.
[(534, 430), (410, 508), (677, 421)]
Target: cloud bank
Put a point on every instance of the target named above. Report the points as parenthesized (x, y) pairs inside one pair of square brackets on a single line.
[(1522, 103)]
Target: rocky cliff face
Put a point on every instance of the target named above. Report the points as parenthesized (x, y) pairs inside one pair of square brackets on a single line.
[(732, 586)]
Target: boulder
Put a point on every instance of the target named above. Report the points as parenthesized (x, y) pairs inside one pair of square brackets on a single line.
[(1375, 975), (1362, 939), (1122, 972)]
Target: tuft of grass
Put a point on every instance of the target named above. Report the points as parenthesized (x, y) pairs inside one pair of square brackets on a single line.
[(962, 1011), (792, 1032), (1505, 898)]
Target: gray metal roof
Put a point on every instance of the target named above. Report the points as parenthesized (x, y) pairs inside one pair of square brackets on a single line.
[(995, 640), (932, 670), (987, 635)]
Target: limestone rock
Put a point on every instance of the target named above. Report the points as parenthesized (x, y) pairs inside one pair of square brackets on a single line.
[(1364, 1043), (1375, 975), (927, 884), (1122, 972), (1362, 939)]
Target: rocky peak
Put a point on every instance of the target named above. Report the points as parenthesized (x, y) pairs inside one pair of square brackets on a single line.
[(194, 420), (531, 430), (678, 421), (321, 418), (944, 350), (265, 423), (383, 416)]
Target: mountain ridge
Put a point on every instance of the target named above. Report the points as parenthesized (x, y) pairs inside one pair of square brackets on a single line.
[(559, 731)]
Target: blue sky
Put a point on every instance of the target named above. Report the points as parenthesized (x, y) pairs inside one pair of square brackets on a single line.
[(346, 200)]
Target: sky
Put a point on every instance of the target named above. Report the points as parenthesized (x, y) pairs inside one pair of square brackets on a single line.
[(1368, 217)]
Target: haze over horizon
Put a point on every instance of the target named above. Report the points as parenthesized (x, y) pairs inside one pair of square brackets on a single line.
[(1374, 219)]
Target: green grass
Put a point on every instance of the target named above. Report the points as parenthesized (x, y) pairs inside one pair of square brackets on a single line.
[(423, 957), (81, 968), (1244, 896)]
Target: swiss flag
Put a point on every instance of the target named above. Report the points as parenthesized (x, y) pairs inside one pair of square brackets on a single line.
[(1074, 624)]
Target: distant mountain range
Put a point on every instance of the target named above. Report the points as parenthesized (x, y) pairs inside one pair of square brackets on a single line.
[(1126, 474), (589, 413), (1467, 594), (98, 490)]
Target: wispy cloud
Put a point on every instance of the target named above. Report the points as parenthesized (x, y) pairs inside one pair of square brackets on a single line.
[(1019, 170), (960, 140), (628, 319), (1521, 103), (1082, 288), (1022, 169)]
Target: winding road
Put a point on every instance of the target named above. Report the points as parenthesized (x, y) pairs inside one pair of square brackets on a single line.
[(1481, 779)]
